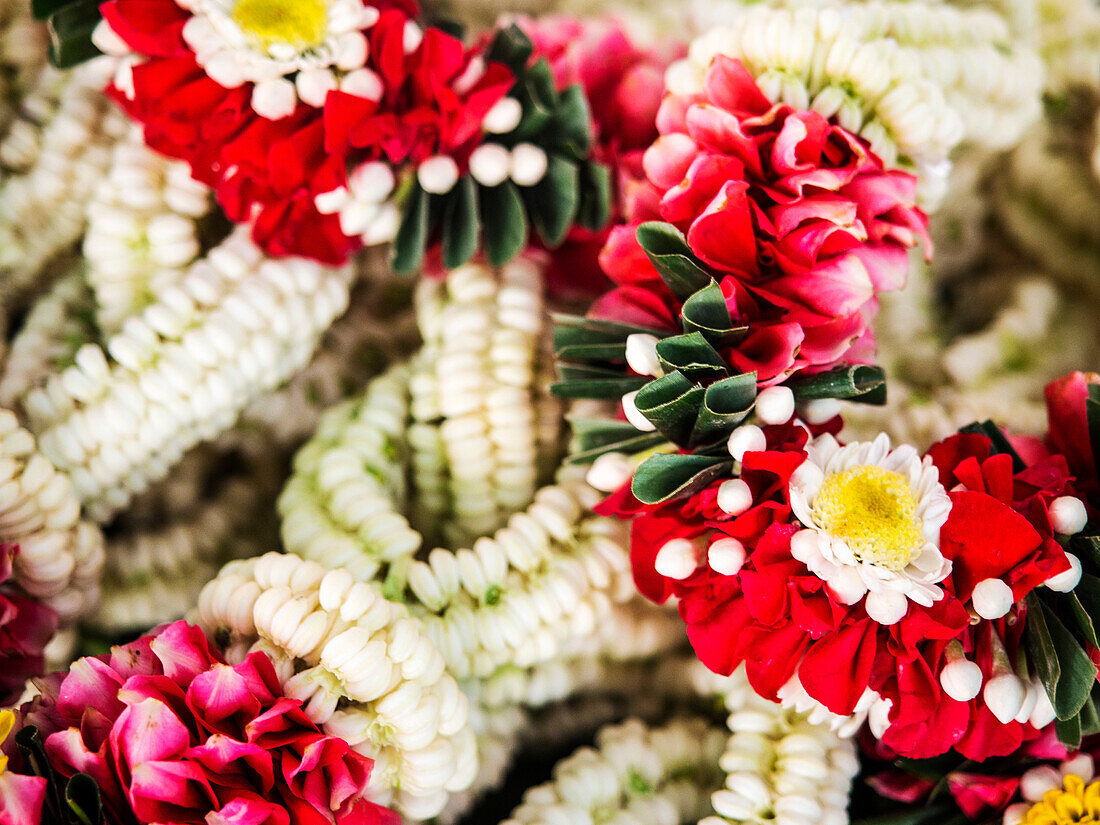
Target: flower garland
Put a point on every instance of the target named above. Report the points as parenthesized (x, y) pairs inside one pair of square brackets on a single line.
[(223, 733), (143, 230), (360, 665), (236, 326)]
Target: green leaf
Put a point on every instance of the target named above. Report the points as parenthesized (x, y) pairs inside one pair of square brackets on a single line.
[(595, 209), (412, 236), (1090, 718), (512, 47), (1070, 607), (581, 381), (572, 130), (71, 30), (725, 405), (460, 224), (672, 403), (675, 262), (663, 477), (554, 200), (1087, 548), (505, 222), (42, 9), (1069, 731), (82, 798), (1078, 674), (600, 326), (857, 383), (581, 344), (1040, 646), (594, 437), (693, 356), (705, 311)]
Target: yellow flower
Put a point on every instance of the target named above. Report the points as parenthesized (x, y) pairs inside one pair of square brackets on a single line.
[(7, 721), (1073, 803)]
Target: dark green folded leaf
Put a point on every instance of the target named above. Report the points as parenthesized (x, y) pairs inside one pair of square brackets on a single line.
[(595, 209), (554, 200), (663, 477), (693, 356), (504, 221), (512, 47), (460, 224), (571, 131), (706, 312), (672, 403), (1000, 444), (726, 404), (412, 236), (669, 251), (857, 383), (579, 381)]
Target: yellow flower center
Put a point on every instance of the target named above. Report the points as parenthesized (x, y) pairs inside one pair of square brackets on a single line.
[(874, 511), (1068, 805), (298, 23), (7, 721)]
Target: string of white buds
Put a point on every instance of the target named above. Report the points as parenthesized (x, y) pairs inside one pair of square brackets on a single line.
[(475, 435), (815, 57), (634, 774), (174, 538), (60, 555), (1068, 37), (363, 667), (61, 154), (1045, 202), (780, 767), (49, 337), (182, 371), (142, 229), (378, 329)]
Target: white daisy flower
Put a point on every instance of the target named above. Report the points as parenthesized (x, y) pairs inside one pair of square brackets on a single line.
[(291, 49), (872, 520)]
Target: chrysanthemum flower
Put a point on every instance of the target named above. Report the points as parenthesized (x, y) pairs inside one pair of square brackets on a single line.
[(798, 217), (868, 580), (872, 517), (170, 733)]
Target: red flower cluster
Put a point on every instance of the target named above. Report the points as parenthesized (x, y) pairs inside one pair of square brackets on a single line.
[(798, 216), (26, 626), (269, 172), (781, 621), (172, 734)]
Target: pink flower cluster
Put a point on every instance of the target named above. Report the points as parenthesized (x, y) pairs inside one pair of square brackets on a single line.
[(173, 734), (797, 216)]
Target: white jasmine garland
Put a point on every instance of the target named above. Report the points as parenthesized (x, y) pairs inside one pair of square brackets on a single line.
[(634, 774), (871, 518), (183, 370), (56, 153), (142, 229), (60, 554), (361, 664)]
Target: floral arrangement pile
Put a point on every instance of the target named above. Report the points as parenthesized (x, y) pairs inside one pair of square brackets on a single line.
[(553, 416)]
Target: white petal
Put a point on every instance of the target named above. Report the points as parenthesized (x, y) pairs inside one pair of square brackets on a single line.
[(846, 586), (314, 85), (274, 99), (886, 607), (351, 51), (363, 83)]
